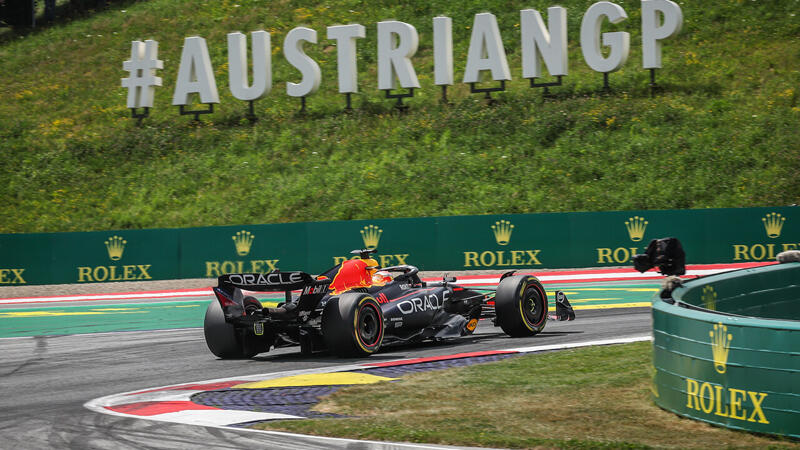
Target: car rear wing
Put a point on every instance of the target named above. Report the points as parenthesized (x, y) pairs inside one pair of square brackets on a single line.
[(229, 288), (274, 281)]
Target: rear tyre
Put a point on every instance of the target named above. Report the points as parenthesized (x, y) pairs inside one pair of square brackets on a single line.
[(223, 339), (521, 306), (352, 325)]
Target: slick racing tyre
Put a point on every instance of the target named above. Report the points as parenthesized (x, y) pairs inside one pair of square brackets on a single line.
[(352, 325), (222, 338), (521, 305)]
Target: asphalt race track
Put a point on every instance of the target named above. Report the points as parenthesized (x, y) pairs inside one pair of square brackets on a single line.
[(46, 380)]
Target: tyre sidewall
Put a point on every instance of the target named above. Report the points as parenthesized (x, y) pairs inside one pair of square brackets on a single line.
[(343, 321), (220, 335), (511, 301)]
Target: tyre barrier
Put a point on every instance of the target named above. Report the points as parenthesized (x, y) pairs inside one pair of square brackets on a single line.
[(726, 349)]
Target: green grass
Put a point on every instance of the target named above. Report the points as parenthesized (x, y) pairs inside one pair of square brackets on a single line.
[(596, 397), (721, 132)]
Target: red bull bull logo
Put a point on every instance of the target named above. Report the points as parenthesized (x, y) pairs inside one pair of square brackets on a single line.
[(356, 273)]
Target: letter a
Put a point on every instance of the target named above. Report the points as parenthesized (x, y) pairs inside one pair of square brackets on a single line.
[(195, 74)]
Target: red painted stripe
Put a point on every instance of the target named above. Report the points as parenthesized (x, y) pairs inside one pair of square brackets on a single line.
[(613, 270), (177, 293), (439, 358), (155, 408), (194, 387)]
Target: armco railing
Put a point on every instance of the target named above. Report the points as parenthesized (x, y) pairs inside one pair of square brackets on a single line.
[(548, 240), (726, 350)]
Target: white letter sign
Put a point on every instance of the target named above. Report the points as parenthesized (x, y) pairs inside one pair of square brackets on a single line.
[(442, 50), (537, 40), (142, 67), (293, 49), (397, 43), (590, 37), (237, 66), (346, 65), (486, 50), (195, 75), (652, 33)]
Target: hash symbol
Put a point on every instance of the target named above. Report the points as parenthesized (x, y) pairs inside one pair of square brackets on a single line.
[(142, 66)]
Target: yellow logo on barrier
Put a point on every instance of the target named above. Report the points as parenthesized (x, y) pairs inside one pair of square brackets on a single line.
[(371, 235), (243, 240), (720, 345), (502, 230), (115, 246), (709, 298), (773, 223), (636, 226)]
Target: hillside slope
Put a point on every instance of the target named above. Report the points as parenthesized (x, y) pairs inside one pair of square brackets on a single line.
[(720, 132)]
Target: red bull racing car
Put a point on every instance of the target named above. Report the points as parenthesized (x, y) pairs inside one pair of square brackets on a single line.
[(356, 307)]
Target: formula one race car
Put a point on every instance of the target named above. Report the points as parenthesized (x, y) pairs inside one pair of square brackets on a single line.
[(356, 307)]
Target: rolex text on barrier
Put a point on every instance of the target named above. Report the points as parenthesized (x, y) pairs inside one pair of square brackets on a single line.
[(603, 52), (488, 242), (725, 349)]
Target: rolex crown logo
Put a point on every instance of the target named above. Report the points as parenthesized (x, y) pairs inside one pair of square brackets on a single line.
[(371, 235), (773, 223), (636, 226), (243, 240), (720, 345), (502, 230), (115, 246), (709, 298)]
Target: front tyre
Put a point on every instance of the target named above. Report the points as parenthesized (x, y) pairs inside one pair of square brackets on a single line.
[(352, 325), (521, 306)]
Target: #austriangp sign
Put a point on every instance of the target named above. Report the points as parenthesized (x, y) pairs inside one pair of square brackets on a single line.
[(397, 43)]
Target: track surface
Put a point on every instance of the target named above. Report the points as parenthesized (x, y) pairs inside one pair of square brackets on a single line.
[(46, 379)]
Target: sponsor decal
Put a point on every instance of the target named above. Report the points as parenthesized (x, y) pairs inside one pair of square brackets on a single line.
[(722, 401), (720, 345), (382, 298), (773, 223), (709, 298), (773, 226), (371, 235), (472, 324), (635, 226), (313, 290), (501, 230), (128, 272), (422, 303), (243, 244), (115, 246), (384, 260), (217, 268), (351, 274), (719, 400), (243, 240), (12, 276), (277, 278)]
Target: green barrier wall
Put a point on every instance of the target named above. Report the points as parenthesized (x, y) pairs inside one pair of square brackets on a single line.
[(550, 240), (731, 370)]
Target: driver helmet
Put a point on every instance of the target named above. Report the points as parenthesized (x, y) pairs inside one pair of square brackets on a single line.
[(381, 277)]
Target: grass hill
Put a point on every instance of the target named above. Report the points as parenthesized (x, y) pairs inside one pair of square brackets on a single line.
[(721, 131)]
